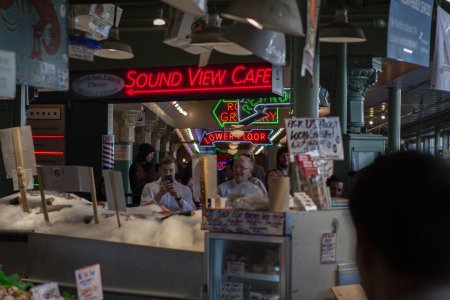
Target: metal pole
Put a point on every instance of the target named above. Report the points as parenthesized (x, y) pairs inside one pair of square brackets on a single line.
[(437, 140), (23, 103), (394, 112), (339, 106)]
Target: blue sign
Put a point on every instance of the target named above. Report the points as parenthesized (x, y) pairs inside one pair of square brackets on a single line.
[(409, 31), (36, 30)]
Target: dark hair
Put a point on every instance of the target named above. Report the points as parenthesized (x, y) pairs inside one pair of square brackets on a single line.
[(143, 151), (333, 178), (401, 203), (168, 160), (282, 151), (186, 173)]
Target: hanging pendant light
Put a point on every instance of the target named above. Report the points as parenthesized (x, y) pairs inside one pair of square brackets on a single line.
[(196, 8), (266, 44), (112, 47), (237, 133), (340, 31), (276, 15)]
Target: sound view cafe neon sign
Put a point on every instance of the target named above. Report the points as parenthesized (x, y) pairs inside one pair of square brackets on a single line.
[(255, 137), (199, 81)]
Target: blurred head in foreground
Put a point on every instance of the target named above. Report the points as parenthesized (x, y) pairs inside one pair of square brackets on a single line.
[(400, 206)]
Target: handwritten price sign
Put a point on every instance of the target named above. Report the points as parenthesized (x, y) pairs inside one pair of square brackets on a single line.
[(89, 283), (322, 135)]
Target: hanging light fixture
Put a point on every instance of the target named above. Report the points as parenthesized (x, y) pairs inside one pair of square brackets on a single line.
[(340, 31), (232, 151), (113, 48), (266, 44), (196, 8), (232, 146), (237, 133), (276, 15), (159, 20)]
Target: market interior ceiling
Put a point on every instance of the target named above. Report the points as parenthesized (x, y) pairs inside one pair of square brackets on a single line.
[(418, 101)]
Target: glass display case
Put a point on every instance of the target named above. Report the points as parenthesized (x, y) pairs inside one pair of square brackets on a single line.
[(241, 266)]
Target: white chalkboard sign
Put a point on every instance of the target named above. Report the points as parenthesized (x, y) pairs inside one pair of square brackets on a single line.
[(315, 134), (232, 291), (247, 221)]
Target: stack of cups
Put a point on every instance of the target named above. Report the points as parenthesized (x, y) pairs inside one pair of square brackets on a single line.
[(278, 194)]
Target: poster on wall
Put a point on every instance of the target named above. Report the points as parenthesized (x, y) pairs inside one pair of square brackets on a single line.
[(409, 30), (440, 74), (36, 30)]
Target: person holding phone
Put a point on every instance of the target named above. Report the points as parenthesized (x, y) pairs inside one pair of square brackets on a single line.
[(167, 191)]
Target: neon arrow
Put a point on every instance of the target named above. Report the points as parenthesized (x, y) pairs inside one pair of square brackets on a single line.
[(262, 88), (217, 112), (259, 109)]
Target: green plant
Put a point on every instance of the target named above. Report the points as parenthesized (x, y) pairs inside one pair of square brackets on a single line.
[(13, 280)]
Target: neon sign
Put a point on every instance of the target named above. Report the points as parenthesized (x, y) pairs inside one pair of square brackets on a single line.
[(252, 109), (195, 81), (222, 159), (255, 137), (227, 112)]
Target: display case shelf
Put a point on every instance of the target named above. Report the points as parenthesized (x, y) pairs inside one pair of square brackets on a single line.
[(254, 277)]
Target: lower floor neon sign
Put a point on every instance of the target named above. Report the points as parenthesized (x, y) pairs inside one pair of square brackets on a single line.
[(255, 137)]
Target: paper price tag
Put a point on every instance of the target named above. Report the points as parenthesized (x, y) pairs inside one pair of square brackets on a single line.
[(328, 248), (232, 291), (48, 291), (89, 283), (236, 268)]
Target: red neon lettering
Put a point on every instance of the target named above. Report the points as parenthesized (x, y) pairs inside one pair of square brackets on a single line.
[(193, 79), (130, 76), (263, 136), (206, 80), (141, 80), (219, 77), (267, 79), (177, 79), (164, 77), (250, 77), (234, 78)]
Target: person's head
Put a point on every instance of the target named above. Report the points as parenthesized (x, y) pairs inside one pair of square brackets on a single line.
[(246, 149), (283, 157), (242, 169), (168, 167), (336, 186), (145, 152), (400, 206)]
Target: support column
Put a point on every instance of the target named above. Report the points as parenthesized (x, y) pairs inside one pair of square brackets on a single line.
[(174, 149), (157, 135), (303, 96), (437, 139), (339, 106), (123, 149), (419, 143), (394, 113), (148, 129), (359, 79)]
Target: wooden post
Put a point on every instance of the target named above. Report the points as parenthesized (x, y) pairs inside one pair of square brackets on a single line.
[(116, 203), (41, 190), (202, 165), (93, 194), (20, 170)]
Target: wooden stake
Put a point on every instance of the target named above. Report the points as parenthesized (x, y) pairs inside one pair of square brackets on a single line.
[(20, 171), (41, 190), (93, 194), (116, 203)]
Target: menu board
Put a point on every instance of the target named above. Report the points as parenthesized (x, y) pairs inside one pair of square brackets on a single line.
[(246, 221), (322, 135)]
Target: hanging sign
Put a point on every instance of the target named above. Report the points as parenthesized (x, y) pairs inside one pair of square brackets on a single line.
[(255, 137), (252, 109), (409, 30), (37, 32), (320, 135), (187, 82), (226, 112), (222, 159)]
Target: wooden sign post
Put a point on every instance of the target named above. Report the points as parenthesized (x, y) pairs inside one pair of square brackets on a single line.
[(41, 191), (93, 194), (116, 202), (20, 170)]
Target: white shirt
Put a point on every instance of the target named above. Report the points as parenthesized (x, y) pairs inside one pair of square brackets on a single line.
[(151, 189)]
